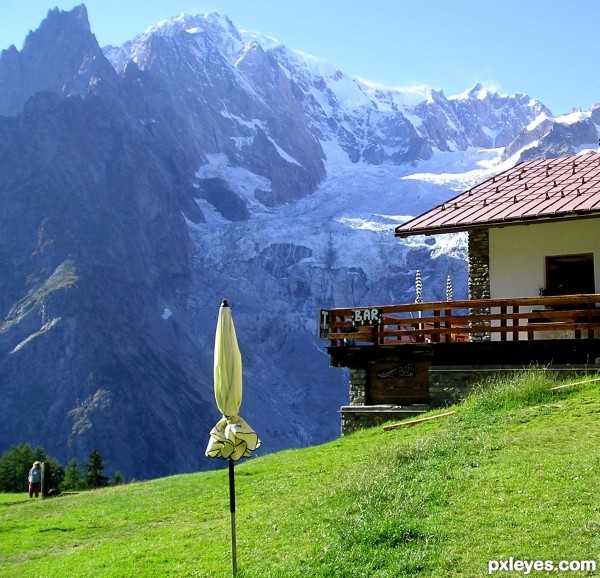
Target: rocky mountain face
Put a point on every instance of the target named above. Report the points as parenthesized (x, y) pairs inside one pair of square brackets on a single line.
[(555, 137), (141, 184), (65, 40)]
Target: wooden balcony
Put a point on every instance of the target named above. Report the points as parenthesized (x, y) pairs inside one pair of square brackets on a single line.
[(433, 353), (510, 319)]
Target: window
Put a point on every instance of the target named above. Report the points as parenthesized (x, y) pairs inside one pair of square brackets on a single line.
[(570, 274)]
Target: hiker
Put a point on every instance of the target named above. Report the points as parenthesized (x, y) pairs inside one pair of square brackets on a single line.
[(35, 479)]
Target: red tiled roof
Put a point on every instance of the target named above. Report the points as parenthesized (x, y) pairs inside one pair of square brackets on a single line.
[(533, 191)]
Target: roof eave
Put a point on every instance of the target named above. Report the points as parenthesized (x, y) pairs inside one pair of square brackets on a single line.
[(492, 224)]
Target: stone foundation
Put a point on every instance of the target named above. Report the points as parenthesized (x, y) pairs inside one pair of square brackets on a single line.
[(358, 386), (447, 385), (354, 417)]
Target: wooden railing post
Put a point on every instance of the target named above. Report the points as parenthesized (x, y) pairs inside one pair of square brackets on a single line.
[(530, 334), (448, 325), (503, 324), (515, 323), (436, 325)]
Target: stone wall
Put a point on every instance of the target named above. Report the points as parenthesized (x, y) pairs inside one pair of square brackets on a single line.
[(449, 385), (358, 415), (479, 274), (479, 264), (358, 386), (354, 418)]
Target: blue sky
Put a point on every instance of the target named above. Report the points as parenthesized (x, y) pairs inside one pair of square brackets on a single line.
[(545, 48)]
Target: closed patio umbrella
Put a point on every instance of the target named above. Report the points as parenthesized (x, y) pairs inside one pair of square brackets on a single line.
[(418, 287), (232, 438), (419, 298), (449, 296)]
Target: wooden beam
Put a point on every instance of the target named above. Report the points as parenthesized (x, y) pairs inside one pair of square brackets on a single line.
[(416, 421), (558, 387)]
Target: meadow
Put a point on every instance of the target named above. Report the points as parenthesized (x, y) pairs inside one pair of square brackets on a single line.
[(513, 473)]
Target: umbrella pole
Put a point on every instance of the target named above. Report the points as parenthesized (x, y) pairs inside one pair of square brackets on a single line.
[(232, 512)]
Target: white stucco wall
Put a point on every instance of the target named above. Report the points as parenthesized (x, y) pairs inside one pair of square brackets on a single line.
[(517, 254)]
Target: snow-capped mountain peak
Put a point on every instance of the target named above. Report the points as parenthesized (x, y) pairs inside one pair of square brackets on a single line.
[(221, 165)]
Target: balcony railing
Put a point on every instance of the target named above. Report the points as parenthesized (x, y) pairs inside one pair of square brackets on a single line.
[(525, 318)]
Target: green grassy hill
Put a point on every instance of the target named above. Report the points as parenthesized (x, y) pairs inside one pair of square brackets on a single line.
[(515, 472)]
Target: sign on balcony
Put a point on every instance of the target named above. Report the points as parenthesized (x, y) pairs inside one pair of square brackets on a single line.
[(323, 323), (406, 370), (371, 316)]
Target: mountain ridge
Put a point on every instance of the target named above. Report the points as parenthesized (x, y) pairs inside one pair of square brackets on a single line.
[(189, 166)]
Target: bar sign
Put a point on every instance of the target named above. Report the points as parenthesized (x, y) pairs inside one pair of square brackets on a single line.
[(372, 316)]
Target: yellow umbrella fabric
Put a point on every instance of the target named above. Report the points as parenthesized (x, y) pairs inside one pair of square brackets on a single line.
[(232, 438)]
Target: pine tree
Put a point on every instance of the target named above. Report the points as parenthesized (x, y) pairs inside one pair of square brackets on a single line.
[(95, 471), (117, 479), (74, 477)]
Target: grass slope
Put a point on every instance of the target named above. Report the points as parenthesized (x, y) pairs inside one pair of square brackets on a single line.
[(515, 472)]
